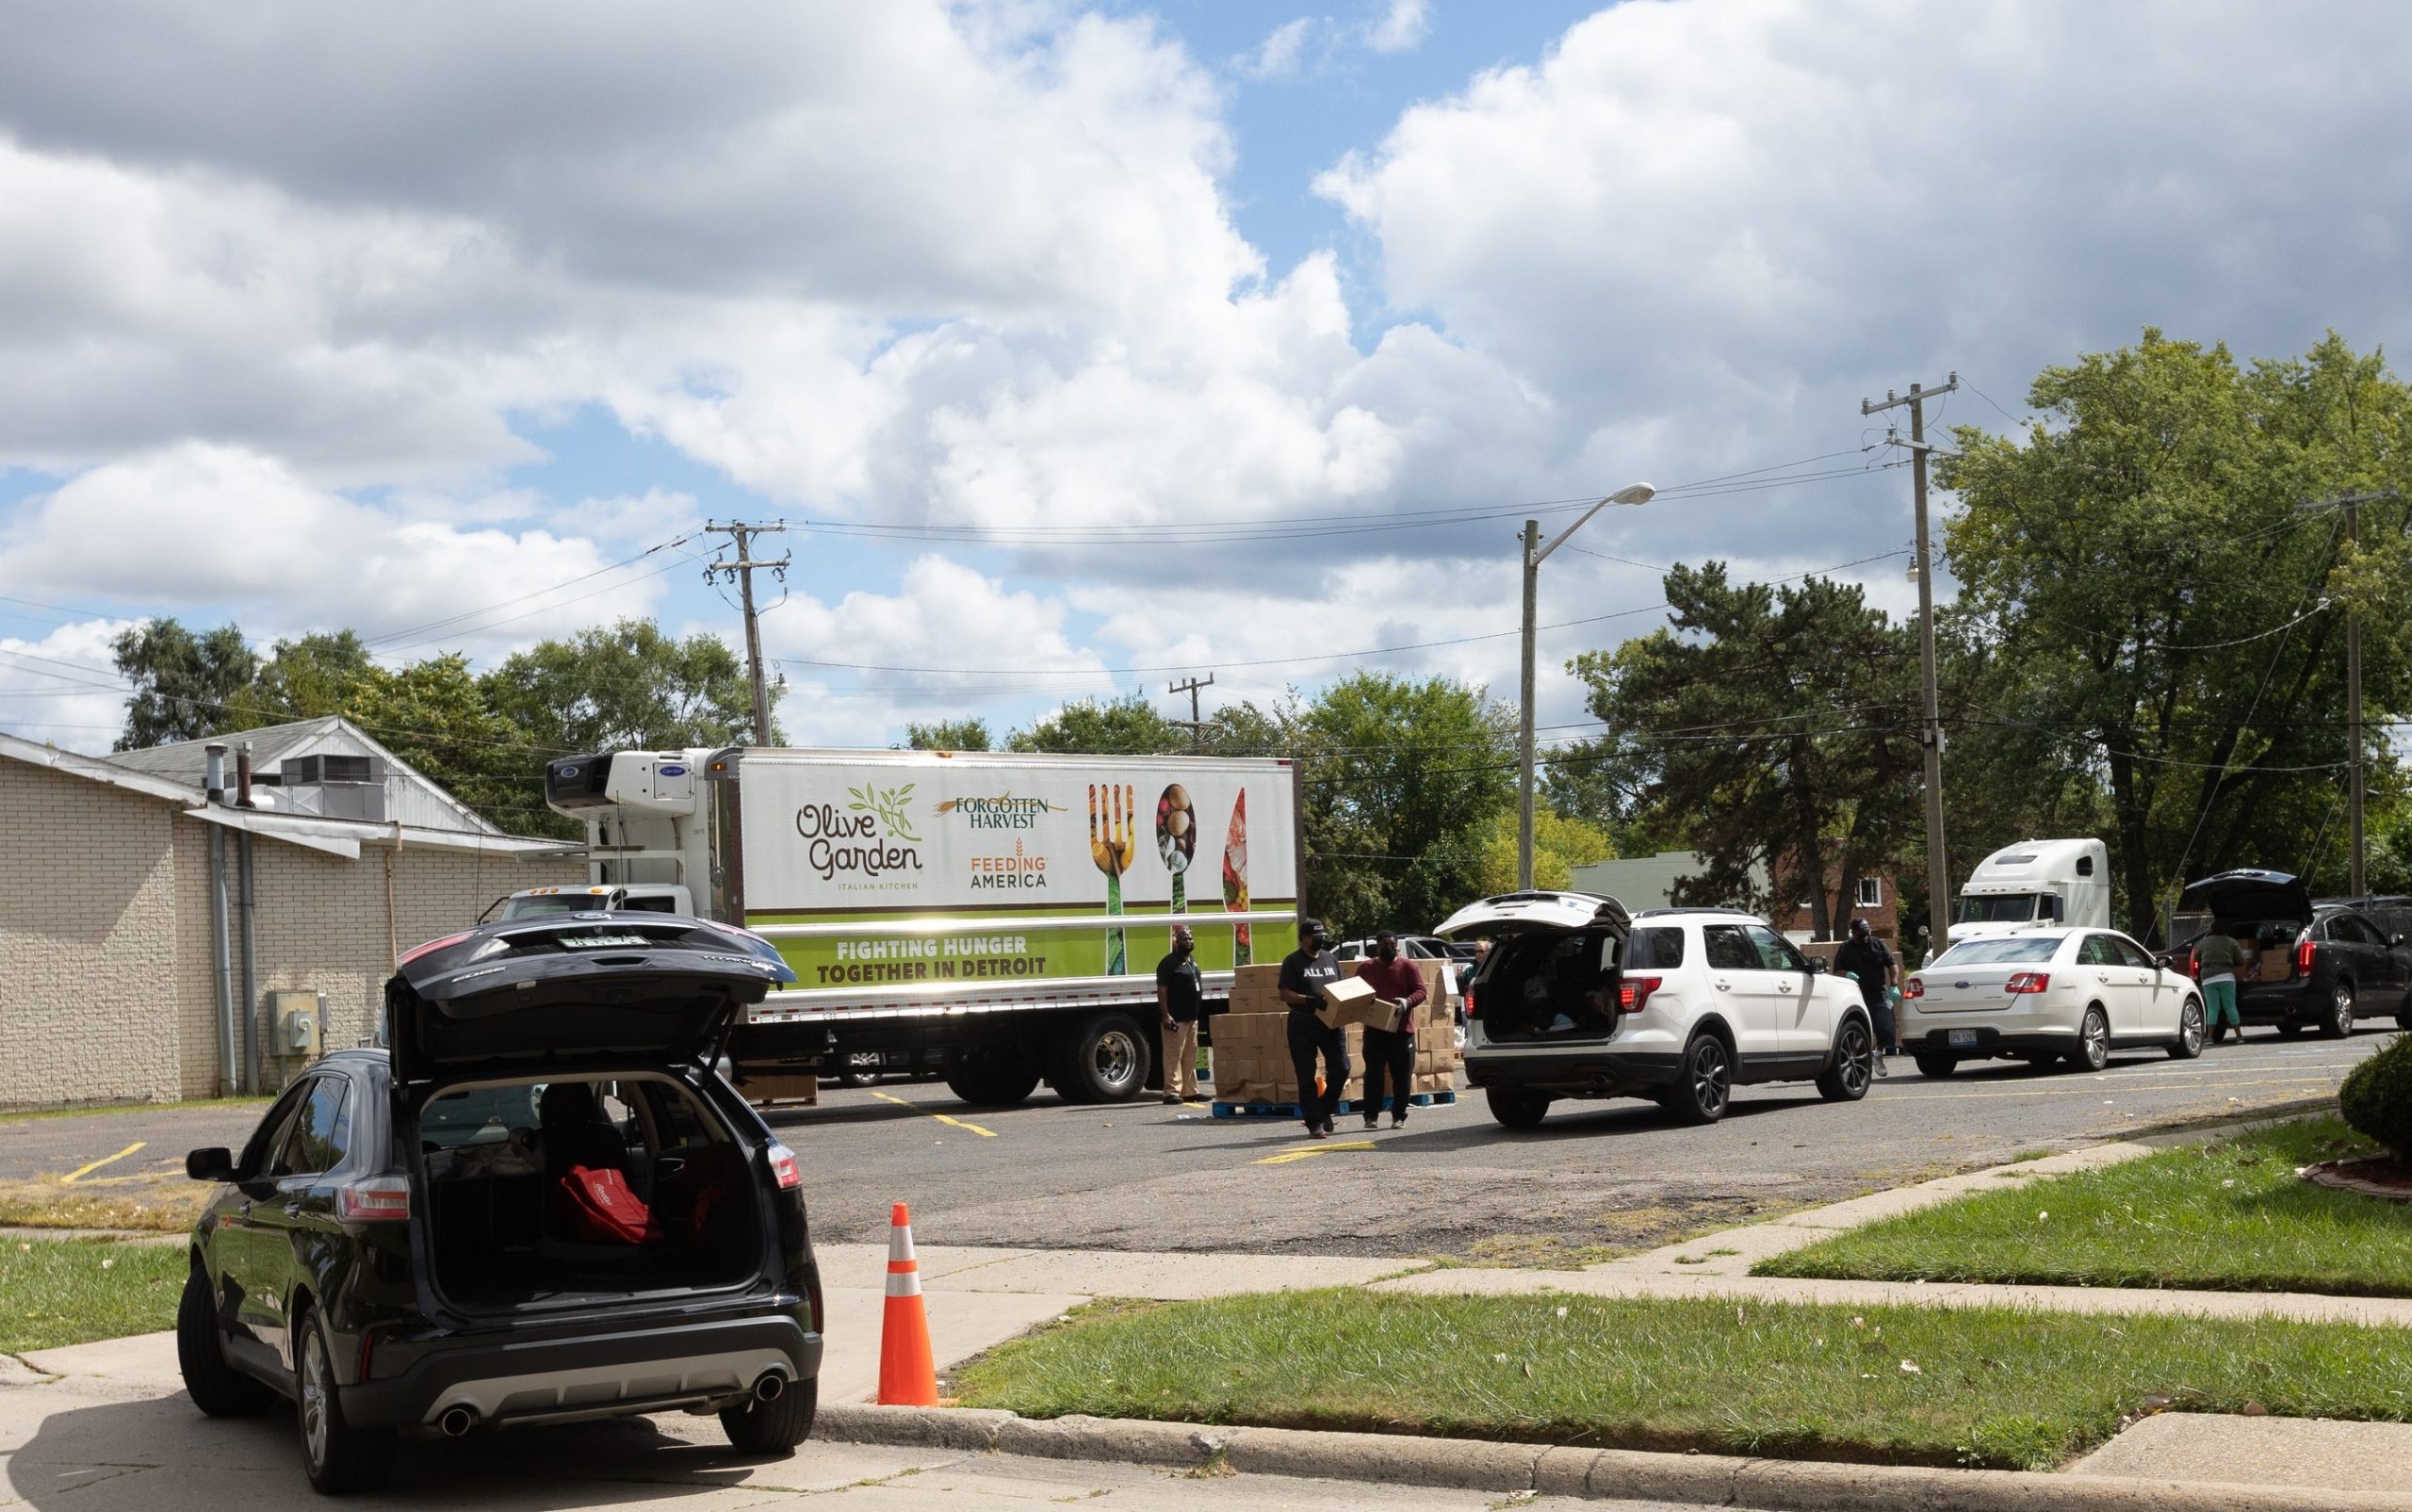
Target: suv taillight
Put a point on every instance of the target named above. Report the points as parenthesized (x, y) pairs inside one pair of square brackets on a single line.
[(1914, 987), (784, 1168), (1634, 996), (2026, 982), (2303, 958), (378, 1199)]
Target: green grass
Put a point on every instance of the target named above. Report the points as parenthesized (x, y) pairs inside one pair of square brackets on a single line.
[(25, 1115), (1991, 1388), (57, 1291), (2225, 1216)]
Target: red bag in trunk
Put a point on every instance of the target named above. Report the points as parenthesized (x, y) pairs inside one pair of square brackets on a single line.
[(601, 1208)]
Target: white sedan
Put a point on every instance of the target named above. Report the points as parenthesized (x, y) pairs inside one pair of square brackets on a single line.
[(2047, 995)]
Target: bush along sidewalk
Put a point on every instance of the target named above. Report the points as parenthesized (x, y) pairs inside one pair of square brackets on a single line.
[(1983, 1387), (2225, 1216), (2376, 1098)]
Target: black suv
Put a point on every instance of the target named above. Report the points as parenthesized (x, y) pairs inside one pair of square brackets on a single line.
[(2307, 965), (539, 1203)]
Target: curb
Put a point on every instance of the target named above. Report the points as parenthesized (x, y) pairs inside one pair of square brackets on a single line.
[(1459, 1464)]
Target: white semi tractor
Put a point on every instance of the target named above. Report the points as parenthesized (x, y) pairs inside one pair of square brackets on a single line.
[(2033, 885), (996, 918)]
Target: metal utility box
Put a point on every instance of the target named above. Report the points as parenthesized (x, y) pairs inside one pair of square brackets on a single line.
[(296, 1022)]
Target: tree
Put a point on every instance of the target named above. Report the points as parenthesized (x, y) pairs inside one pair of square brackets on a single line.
[(309, 679), (434, 714), (2142, 602), (1404, 779), (627, 685), (186, 685), (1561, 844), (948, 735), (1128, 725), (1776, 726)]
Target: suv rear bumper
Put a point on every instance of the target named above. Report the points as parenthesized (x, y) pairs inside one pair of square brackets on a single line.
[(1576, 1071), (697, 1365), (2277, 1002)]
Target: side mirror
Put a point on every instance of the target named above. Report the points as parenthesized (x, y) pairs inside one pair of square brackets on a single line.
[(1816, 966), (214, 1163)]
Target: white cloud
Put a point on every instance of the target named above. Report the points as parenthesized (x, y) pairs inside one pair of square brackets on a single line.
[(1277, 55), (63, 688), (204, 523), (1402, 25)]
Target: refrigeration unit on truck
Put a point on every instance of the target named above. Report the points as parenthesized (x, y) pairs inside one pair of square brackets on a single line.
[(993, 917), (2034, 884)]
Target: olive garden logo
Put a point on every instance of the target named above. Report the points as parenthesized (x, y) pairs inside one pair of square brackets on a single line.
[(851, 839), (1002, 812)]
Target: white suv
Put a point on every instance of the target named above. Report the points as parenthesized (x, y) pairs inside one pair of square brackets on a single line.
[(1579, 1000)]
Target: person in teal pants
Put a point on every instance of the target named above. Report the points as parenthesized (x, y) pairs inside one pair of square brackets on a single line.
[(2217, 961)]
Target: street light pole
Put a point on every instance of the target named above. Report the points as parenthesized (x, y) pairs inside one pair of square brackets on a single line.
[(1535, 553)]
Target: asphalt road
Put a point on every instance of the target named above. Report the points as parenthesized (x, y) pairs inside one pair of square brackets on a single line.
[(1147, 1177)]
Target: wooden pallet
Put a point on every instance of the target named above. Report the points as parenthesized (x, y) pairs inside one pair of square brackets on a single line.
[(1348, 1105)]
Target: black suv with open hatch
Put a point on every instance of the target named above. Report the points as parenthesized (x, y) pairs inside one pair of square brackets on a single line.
[(538, 1204)]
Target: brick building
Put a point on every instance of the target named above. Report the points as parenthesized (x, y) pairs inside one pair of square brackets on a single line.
[(109, 981)]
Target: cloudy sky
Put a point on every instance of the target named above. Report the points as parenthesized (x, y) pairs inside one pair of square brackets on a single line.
[(1081, 345)]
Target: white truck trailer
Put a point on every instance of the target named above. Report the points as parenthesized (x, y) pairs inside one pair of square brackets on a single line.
[(996, 918), (2033, 885)]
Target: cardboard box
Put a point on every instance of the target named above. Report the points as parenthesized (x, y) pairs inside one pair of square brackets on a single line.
[(1352, 1000)]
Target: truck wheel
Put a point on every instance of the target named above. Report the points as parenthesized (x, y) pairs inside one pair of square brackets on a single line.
[(1105, 1059), (861, 1069), (1002, 1083)]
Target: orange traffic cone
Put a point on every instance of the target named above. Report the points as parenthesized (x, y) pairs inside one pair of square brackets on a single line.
[(908, 1376)]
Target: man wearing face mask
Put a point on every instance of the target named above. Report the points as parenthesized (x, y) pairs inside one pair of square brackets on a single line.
[(1180, 1002), (1390, 1054), (1304, 972)]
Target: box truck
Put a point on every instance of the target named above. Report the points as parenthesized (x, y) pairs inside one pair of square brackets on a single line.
[(991, 917)]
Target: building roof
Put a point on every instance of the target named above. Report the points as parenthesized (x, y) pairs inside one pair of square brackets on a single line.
[(336, 836), (409, 796)]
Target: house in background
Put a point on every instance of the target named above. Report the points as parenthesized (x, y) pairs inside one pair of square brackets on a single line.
[(159, 940), (1649, 882)]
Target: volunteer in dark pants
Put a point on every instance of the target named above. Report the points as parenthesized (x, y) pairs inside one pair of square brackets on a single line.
[(1390, 1057), (1304, 971), (1179, 1004), (1865, 956)]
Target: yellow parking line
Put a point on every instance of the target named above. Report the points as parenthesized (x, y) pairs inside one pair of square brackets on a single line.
[(951, 1123), (86, 1170), (1313, 1150)]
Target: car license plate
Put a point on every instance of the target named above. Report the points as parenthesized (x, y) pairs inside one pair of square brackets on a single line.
[(1963, 1036), (603, 942)]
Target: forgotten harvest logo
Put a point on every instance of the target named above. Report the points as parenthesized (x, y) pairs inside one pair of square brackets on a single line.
[(849, 840), (1002, 812)]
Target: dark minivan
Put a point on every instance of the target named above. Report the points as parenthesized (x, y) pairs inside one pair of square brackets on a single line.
[(2307, 966), (539, 1203)]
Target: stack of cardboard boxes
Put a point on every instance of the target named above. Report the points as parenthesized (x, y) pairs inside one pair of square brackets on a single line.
[(1252, 1041)]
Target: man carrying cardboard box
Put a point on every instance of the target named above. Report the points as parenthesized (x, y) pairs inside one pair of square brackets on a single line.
[(1390, 1052), (1304, 973)]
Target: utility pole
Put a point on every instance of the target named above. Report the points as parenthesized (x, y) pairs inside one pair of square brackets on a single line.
[(742, 573), (1534, 554), (1938, 863), (1194, 724), (2356, 879)]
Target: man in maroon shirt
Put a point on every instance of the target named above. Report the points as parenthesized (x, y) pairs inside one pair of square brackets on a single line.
[(1390, 1054)]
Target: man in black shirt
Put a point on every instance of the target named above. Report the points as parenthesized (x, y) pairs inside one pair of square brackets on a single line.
[(1865, 956), (1179, 1004), (1304, 971)]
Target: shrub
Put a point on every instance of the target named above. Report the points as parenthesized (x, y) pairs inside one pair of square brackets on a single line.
[(2377, 1097)]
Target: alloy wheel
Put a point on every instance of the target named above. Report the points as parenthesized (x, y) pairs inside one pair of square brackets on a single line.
[(317, 1382), (1858, 1059), (2189, 1029), (2340, 1013), (2094, 1040), (1712, 1075)]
